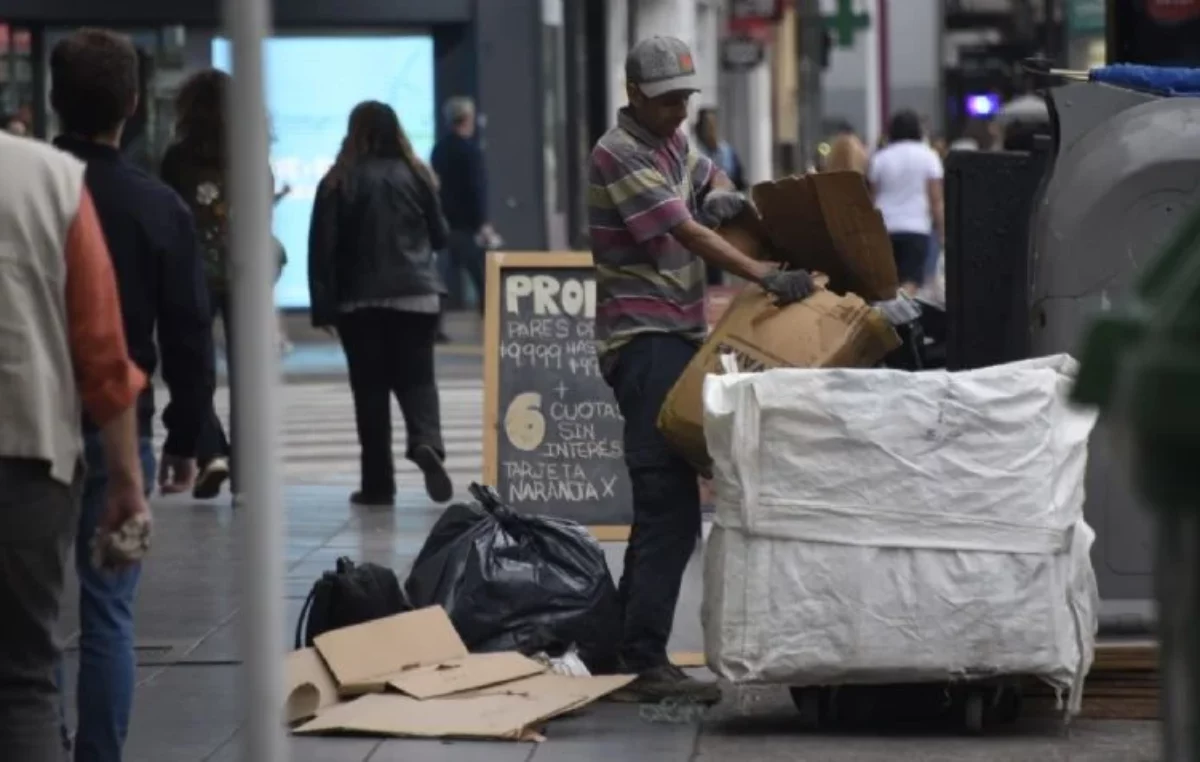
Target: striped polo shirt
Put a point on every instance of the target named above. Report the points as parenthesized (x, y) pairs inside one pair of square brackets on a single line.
[(642, 187)]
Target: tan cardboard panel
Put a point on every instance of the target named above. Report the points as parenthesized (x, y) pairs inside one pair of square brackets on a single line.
[(366, 656), (509, 712), (823, 331), (473, 672), (310, 686), (827, 222)]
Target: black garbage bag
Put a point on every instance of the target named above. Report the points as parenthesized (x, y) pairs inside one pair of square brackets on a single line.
[(519, 583)]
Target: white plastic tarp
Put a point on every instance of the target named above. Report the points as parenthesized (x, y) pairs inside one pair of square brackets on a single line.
[(880, 526)]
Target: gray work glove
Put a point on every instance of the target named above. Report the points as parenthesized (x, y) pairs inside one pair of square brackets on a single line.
[(721, 206), (788, 286)]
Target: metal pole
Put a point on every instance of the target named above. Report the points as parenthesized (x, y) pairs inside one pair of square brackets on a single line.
[(810, 36), (256, 357)]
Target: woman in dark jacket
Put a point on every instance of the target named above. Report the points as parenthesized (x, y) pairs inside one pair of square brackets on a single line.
[(194, 165), (373, 277)]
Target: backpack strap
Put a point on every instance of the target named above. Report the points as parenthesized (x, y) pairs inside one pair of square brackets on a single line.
[(308, 602)]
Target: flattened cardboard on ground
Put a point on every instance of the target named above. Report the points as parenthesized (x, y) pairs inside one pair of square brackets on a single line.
[(366, 657), (824, 222), (461, 675), (310, 687), (418, 653), (512, 712), (823, 331)]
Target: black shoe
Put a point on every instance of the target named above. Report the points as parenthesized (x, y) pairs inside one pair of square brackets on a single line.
[(443, 338), (667, 683), (437, 481), (367, 500), (212, 476)]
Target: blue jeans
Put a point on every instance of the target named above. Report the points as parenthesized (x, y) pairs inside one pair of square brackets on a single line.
[(107, 663), (666, 498)]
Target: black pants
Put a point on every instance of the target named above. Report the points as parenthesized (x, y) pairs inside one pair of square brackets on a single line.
[(38, 520), (391, 352), (466, 255), (666, 498), (213, 442), (911, 251)]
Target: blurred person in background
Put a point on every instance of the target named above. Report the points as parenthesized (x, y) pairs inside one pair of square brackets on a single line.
[(458, 162), (373, 277), (64, 357), (152, 241), (14, 125), (721, 153), (195, 166), (906, 180), (846, 154)]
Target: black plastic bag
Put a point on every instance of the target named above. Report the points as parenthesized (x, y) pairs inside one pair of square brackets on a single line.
[(519, 583)]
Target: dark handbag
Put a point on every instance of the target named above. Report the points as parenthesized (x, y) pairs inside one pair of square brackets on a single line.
[(353, 594)]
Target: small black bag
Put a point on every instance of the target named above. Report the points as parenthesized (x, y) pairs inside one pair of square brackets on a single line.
[(351, 595)]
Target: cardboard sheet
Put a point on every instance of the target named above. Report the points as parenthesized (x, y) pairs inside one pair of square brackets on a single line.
[(310, 686), (460, 675), (827, 222), (823, 331), (823, 222), (366, 657), (513, 711)]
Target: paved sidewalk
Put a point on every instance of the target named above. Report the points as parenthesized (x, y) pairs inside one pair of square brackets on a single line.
[(188, 700)]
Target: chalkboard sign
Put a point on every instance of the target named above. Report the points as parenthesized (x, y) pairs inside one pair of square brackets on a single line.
[(553, 433)]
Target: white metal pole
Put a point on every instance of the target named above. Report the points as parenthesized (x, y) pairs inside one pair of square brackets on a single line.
[(760, 147), (869, 40), (256, 397)]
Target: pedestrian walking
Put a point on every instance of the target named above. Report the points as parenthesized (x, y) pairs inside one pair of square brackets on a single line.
[(372, 276), (152, 242), (195, 165), (649, 188), (62, 355), (906, 180), (846, 154), (458, 161)]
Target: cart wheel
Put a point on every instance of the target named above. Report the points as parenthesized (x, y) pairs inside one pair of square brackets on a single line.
[(808, 703), (973, 711), (1008, 708), (856, 706)]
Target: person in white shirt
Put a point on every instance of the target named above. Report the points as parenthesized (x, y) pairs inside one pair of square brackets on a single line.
[(906, 180)]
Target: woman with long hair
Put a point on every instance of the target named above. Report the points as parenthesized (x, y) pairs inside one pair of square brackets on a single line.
[(195, 165), (373, 277), (906, 180)]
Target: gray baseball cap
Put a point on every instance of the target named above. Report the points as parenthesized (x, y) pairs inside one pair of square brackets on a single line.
[(660, 65)]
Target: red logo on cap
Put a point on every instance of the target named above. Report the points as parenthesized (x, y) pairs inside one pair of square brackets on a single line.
[(685, 61)]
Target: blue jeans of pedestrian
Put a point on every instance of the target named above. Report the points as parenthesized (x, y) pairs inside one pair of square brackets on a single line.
[(107, 663), (666, 498)]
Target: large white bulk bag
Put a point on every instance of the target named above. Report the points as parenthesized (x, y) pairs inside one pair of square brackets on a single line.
[(878, 526)]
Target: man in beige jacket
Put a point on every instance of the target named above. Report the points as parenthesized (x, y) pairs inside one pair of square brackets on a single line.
[(62, 353)]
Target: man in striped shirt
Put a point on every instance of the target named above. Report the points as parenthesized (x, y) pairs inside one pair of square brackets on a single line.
[(648, 189)]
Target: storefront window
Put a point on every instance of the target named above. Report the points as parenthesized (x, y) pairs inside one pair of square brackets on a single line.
[(16, 80)]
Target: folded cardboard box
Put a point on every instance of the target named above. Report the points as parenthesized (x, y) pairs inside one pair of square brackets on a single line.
[(824, 222), (823, 331), (410, 675)]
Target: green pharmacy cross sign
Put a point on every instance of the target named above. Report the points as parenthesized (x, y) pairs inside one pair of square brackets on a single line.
[(847, 22)]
